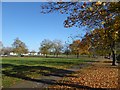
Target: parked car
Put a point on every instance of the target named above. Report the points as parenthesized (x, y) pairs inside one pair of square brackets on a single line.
[(107, 57)]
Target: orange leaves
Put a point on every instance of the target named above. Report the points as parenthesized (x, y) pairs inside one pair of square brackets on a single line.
[(75, 46), (77, 41), (96, 76)]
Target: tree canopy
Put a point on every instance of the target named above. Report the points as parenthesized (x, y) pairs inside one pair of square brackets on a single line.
[(48, 46), (45, 46), (104, 16), (19, 47), (92, 14)]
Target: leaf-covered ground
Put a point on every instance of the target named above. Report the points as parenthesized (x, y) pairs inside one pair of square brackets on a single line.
[(99, 75)]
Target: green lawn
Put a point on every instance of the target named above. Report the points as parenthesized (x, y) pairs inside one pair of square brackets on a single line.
[(16, 69)]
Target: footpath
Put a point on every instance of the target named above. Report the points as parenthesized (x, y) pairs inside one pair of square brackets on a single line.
[(86, 76), (49, 80)]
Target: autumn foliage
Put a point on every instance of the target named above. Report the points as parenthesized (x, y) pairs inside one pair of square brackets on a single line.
[(103, 17)]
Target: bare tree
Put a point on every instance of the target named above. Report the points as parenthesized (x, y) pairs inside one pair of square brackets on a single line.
[(57, 47), (7, 50), (45, 47), (1, 48)]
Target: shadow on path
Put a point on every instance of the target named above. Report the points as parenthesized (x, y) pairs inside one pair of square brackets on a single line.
[(20, 71), (23, 70)]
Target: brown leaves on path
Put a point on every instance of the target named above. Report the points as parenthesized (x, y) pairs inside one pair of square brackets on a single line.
[(99, 75)]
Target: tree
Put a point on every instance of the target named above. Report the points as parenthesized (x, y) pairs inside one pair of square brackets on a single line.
[(19, 47), (97, 42), (57, 47), (7, 50), (1, 48), (101, 41), (1, 45), (33, 51), (66, 49), (85, 44), (45, 47), (75, 47), (91, 14)]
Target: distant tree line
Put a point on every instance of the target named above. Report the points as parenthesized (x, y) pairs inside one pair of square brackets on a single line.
[(51, 47), (18, 47), (90, 45), (47, 47)]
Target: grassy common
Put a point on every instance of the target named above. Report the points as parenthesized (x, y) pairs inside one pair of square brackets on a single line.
[(17, 69)]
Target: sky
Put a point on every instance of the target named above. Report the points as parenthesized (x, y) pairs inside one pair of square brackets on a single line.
[(23, 20)]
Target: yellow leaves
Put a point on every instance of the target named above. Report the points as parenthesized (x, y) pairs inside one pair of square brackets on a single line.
[(117, 24), (100, 12), (98, 3), (102, 22), (103, 12), (104, 4), (110, 15), (116, 32), (91, 8), (82, 7)]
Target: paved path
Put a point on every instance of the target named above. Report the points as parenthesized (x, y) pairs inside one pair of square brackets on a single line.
[(46, 81), (51, 80)]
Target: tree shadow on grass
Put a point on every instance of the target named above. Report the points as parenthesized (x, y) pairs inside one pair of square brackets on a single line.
[(18, 71), (43, 70)]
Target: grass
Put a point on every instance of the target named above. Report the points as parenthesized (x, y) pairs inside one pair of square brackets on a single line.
[(16, 69)]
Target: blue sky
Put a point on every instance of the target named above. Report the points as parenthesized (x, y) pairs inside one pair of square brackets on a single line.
[(24, 20)]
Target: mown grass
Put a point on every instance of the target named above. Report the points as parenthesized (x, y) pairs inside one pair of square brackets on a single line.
[(16, 69)]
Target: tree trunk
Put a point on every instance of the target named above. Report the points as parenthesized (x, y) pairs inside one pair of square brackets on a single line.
[(46, 55), (113, 57), (113, 53), (57, 55), (77, 55), (67, 55)]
